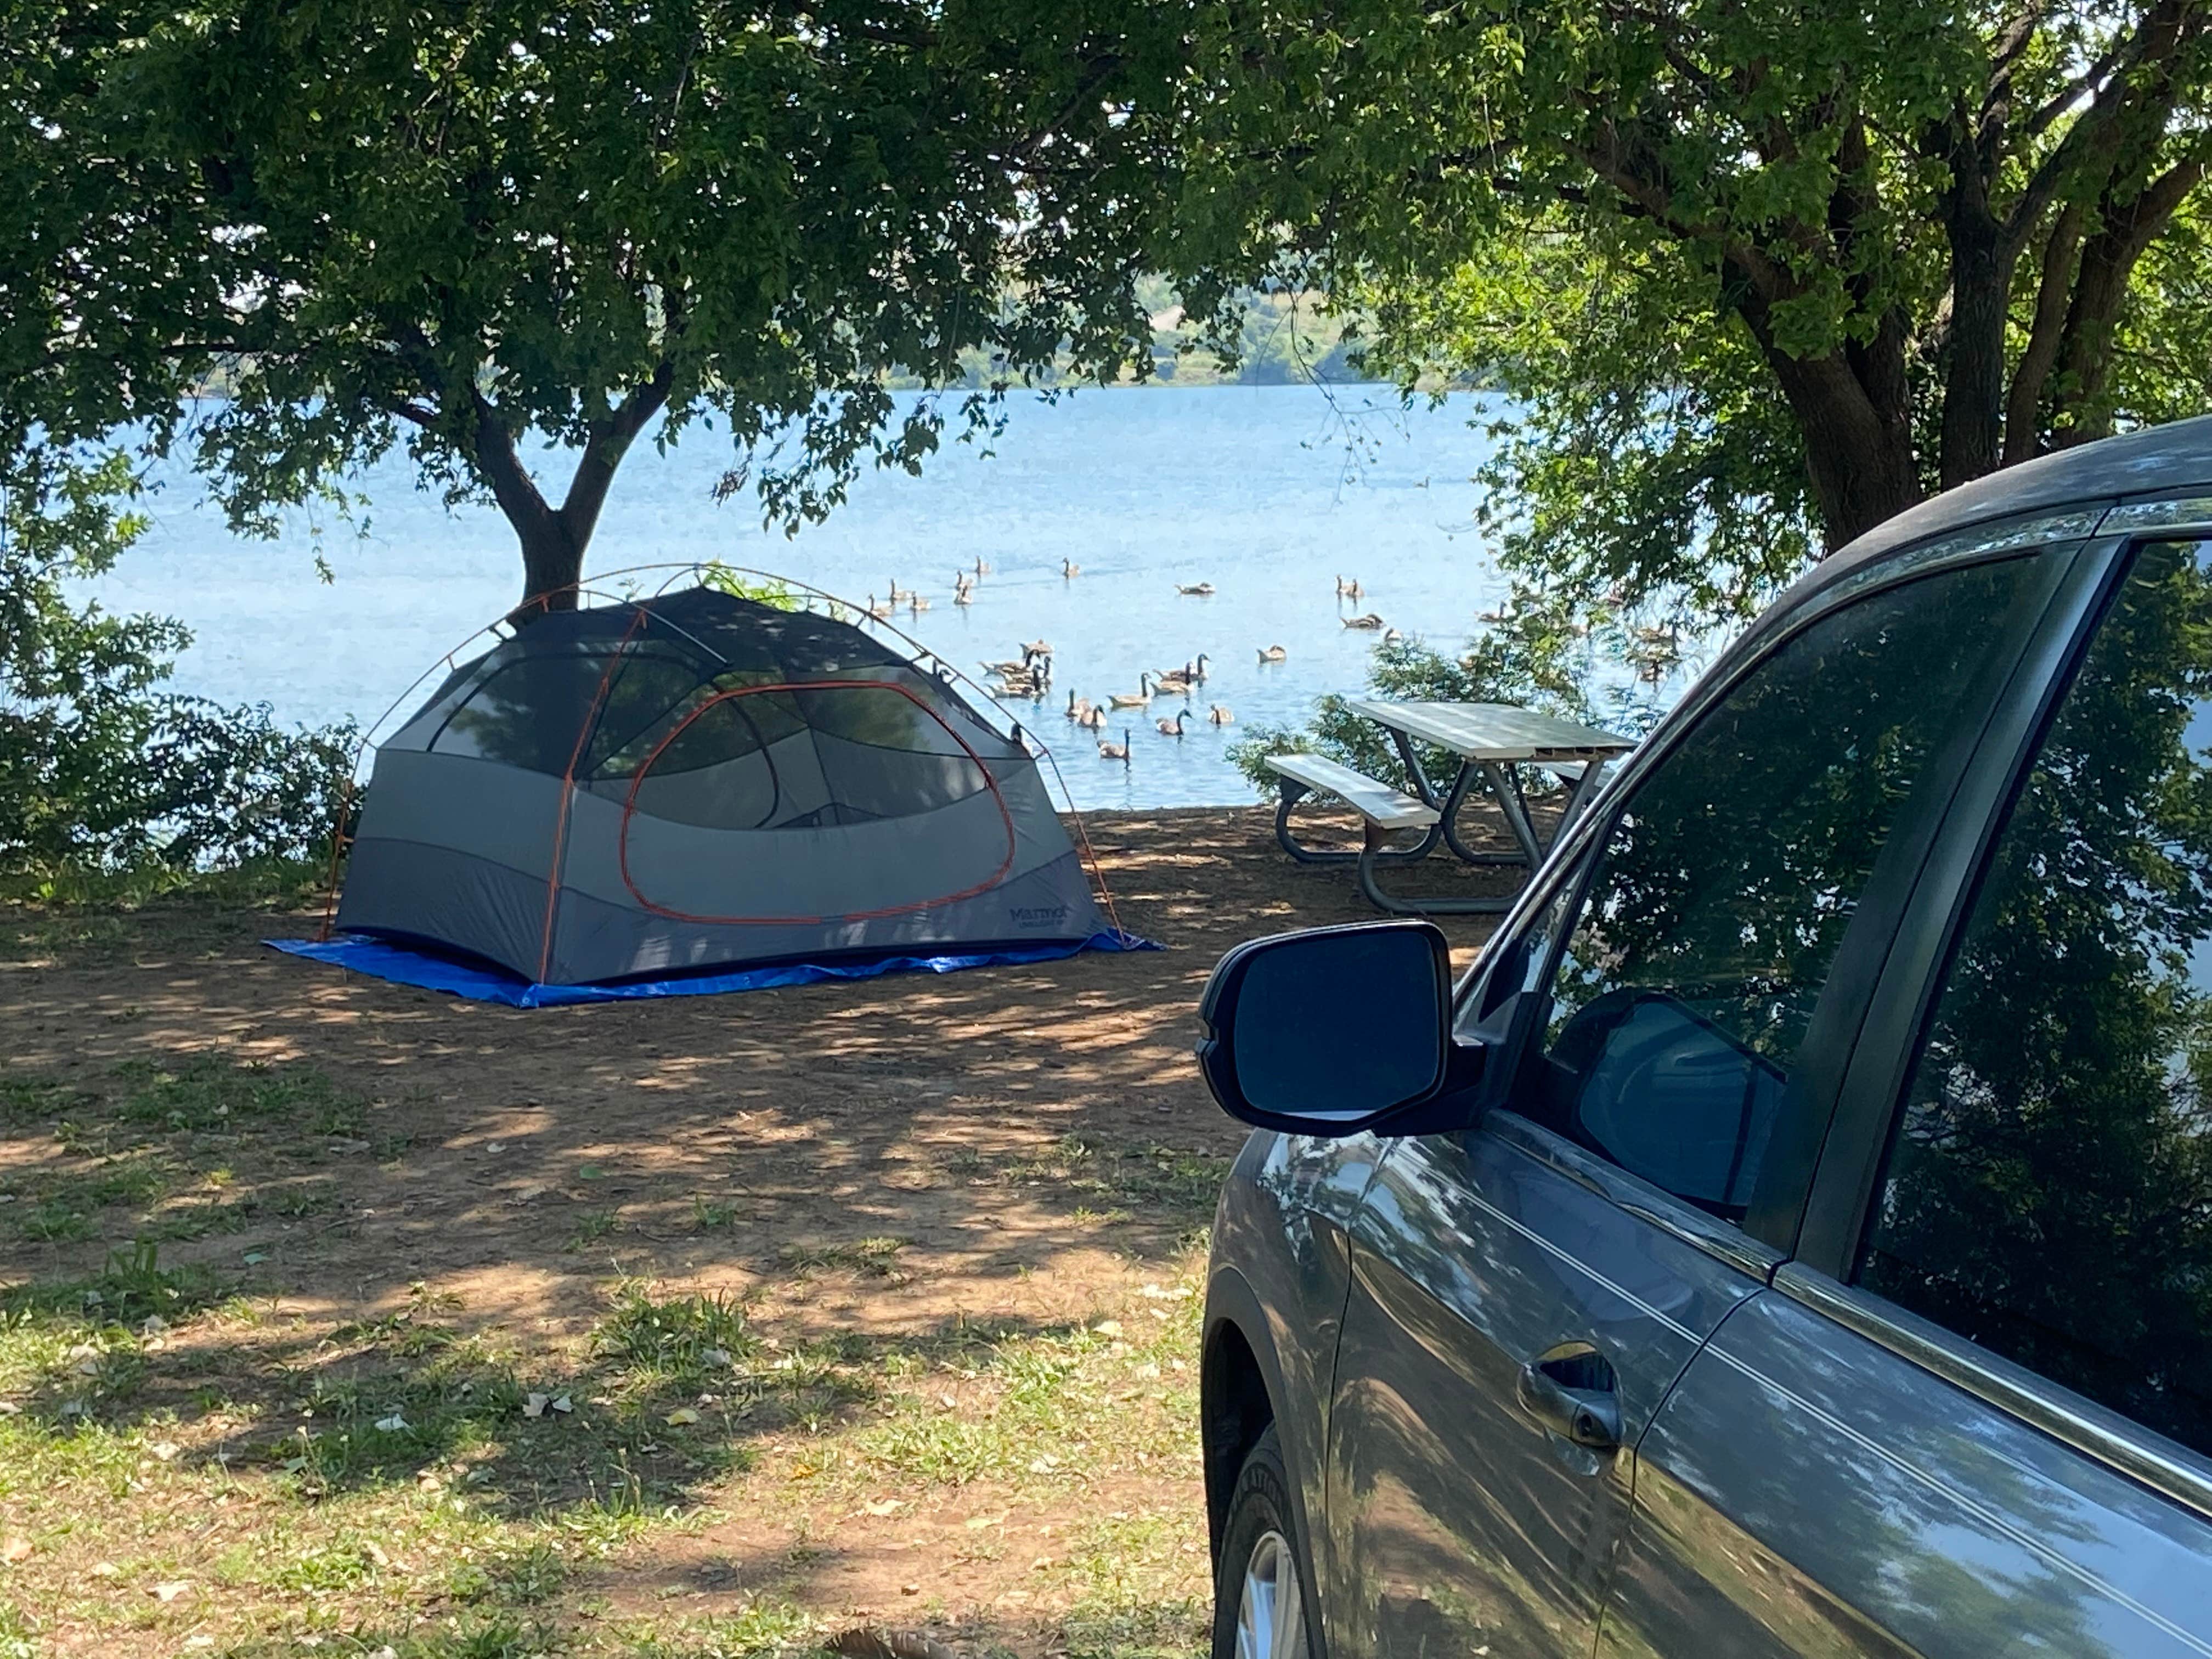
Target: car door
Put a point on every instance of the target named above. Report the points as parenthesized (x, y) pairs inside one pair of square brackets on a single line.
[(1975, 1416), (1668, 1022)]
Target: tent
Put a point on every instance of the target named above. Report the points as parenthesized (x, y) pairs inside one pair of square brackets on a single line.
[(699, 783)]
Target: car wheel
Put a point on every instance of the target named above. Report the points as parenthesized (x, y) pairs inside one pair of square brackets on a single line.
[(1261, 1608)]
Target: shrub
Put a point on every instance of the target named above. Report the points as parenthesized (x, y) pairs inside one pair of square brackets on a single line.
[(100, 770)]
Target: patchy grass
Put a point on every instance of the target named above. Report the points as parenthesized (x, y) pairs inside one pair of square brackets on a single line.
[(419, 1480)]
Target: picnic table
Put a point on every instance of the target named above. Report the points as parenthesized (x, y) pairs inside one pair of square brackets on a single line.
[(1493, 740)]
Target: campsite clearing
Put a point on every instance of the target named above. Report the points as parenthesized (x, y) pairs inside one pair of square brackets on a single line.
[(346, 1315)]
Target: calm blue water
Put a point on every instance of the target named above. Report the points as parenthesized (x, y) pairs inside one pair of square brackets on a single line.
[(1254, 489)]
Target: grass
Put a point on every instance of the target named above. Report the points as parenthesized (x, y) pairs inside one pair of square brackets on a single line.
[(388, 1483), (1114, 1182), (408, 1481)]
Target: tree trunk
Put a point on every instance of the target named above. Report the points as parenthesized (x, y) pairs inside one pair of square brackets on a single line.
[(1974, 373), (554, 541), (1852, 411)]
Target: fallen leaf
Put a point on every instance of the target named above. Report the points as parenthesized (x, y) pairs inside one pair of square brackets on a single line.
[(1108, 1327), (714, 1355), (977, 1522), (200, 1641), (340, 1144), (164, 1449), (391, 1425), (15, 1549), (561, 1403), (1044, 1465), (152, 1325), (888, 1506), (107, 1570), (293, 1465), (683, 1414), (909, 1589), (375, 1551), (535, 1404), (255, 1258), (171, 1591)]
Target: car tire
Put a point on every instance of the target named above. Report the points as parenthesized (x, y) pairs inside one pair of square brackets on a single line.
[(1262, 1593)]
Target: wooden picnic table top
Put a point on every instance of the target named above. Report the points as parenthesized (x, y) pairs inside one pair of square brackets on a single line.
[(1492, 731)]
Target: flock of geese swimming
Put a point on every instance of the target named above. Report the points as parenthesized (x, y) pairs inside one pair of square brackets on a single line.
[(1030, 675)]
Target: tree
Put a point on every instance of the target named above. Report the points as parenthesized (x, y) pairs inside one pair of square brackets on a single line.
[(454, 227), (1796, 264)]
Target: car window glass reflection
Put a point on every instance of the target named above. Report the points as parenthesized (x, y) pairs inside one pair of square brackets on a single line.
[(1726, 887), (2049, 1192)]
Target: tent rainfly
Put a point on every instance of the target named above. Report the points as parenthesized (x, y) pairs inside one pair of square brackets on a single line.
[(699, 781)]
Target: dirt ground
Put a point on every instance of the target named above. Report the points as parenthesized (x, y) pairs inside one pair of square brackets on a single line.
[(864, 1304)]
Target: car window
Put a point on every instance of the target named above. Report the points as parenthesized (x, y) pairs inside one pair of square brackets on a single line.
[(2048, 1192), (1725, 885)]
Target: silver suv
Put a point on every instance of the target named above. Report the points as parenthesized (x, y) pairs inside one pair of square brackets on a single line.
[(1795, 1236)]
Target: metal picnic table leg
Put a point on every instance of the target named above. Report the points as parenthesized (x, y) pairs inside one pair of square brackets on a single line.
[(1375, 848), (1447, 802), (1517, 816), (1586, 788)]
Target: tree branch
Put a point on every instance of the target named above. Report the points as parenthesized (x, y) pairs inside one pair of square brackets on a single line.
[(2023, 434), (2097, 133)]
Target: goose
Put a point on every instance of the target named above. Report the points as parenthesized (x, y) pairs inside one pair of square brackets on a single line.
[(1219, 714), (963, 595), (1119, 752), (880, 613), (1369, 622), (981, 568), (1007, 670), (1503, 613), (900, 595), (1036, 648), (1092, 719), (1272, 653), (1077, 708), (1348, 590), (1069, 567), (1143, 695), (1183, 679), (916, 604), (1197, 590), (1173, 728), (1392, 636)]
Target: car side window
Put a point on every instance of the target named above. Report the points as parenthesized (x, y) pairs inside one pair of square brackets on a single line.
[(2048, 1191), (1727, 882)]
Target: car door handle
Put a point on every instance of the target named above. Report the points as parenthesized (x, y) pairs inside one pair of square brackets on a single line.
[(1586, 1411)]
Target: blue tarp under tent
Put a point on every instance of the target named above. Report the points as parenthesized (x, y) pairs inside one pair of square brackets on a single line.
[(701, 791)]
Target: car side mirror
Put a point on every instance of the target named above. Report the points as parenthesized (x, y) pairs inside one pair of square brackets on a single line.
[(1333, 1031)]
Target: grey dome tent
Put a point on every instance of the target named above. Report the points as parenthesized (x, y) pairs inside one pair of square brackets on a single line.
[(701, 782)]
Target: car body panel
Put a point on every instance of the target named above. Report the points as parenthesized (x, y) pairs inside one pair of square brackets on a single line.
[(1457, 1521), (1805, 1490), (1280, 1277)]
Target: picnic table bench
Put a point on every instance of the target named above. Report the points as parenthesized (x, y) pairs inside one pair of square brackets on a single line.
[(1381, 810)]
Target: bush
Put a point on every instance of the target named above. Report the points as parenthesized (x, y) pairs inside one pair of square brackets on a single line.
[(100, 771)]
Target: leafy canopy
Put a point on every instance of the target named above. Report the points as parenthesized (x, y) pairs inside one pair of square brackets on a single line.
[(373, 224), (1755, 277)]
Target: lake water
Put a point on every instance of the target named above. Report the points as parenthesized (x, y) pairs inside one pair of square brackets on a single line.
[(1254, 489)]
